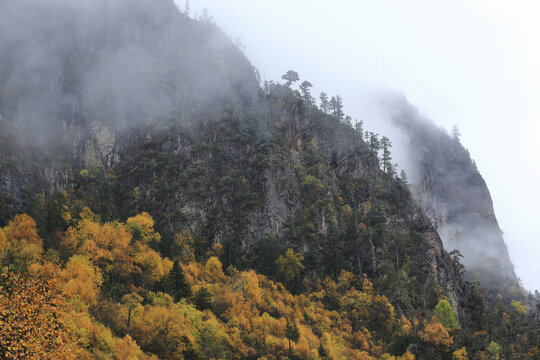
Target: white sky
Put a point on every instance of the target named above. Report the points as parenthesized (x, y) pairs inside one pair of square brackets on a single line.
[(474, 63)]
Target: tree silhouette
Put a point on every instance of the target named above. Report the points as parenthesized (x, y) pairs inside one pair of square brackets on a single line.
[(325, 105), (291, 77)]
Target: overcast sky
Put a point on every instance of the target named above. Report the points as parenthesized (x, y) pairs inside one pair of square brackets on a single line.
[(473, 63)]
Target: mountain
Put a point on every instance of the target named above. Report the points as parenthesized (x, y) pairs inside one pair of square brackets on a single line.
[(146, 158), (168, 118), (455, 195)]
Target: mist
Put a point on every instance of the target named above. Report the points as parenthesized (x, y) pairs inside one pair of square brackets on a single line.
[(109, 64)]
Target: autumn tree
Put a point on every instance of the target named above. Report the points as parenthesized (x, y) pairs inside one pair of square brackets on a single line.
[(132, 303), (81, 279), (34, 318), (4, 247), (25, 246), (460, 354), (436, 334), (141, 227), (163, 331)]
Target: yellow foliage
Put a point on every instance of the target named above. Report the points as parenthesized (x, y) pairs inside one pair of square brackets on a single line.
[(22, 237), (142, 227), (215, 268), (367, 286), (406, 326), (290, 265), (518, 308), (81, 279), (127, 349), (4, 246), (152, 266), (407, 356), (103, 244), (460, 354), (163, 331)]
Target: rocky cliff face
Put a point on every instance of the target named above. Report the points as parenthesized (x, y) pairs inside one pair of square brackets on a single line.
[(456, 196)]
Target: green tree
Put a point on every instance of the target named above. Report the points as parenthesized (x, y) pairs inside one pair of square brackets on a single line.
[(203, 299), (494, 350), (292, 333), (325, 105), (306, 92), (386, 144), (177, 284), (359, 126), (374, 142), (338, 108), (290, 268), (291, 77), (444, 312)]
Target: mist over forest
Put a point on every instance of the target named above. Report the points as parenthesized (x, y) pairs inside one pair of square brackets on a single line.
[(159, 200)]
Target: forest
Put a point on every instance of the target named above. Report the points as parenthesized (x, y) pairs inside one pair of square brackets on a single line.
[(103, 293)]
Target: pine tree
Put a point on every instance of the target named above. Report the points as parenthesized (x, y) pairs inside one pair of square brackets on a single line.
[(386, 155), (177, 283), (374, 142), (359, 126), (456, 135), (203, 299), (306, 92), (338, 108), (332, 105), (292, 333), (291, 77), (325, 105)]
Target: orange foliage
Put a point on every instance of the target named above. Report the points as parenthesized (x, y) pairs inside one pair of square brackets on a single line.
[(435, 333), (33, 319)]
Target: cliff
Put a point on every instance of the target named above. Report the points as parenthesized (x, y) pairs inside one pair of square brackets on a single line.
[(454, 194)]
